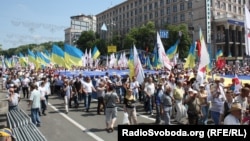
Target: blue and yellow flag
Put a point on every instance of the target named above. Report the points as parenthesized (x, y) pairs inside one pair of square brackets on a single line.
[(190, 62), (131, 65), (172, 50), (57, 56), (22, 60), (95, 53), (32, 57), (219, 54), (72, 56)]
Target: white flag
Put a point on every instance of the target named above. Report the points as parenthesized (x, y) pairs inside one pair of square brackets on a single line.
[(247, 30), (164, 60), (139, 73)]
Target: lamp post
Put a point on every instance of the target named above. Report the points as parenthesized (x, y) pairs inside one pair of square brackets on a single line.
[(111, 25), (192, 17)]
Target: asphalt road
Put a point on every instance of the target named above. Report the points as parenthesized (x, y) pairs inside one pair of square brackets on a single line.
[(78, 125)]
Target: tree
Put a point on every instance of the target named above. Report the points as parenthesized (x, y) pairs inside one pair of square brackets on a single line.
[(185, 40), (87, 40)]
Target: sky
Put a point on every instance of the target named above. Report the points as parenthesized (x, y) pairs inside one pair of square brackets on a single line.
[(36, 21)]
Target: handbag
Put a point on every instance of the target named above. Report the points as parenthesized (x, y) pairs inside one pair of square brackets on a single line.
[(125, 118)]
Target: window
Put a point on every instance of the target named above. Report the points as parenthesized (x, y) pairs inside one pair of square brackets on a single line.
[(156, 5), (145, 8), (174, 8), (156, 13), (168, 1), (150, 6), (150, 16), (175, 19), (168, 10), (182, 17), (181, 6), (169, 20), (162, 12)]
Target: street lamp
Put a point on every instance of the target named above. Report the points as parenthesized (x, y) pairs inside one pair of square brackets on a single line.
[(112, 25), (192, 17)]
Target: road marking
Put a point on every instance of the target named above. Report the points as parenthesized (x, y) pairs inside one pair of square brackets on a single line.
[(76, 124)]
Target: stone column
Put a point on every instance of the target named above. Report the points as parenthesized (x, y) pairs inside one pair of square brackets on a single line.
[(240, 53), (227, 47), (234, 51)]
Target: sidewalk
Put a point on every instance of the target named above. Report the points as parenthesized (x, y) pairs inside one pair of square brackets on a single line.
[(3, 107)]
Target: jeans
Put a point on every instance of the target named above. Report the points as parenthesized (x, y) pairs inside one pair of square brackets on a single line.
[(35, 116), (216, 117), (149, 104), (100, 102), (25, 92), (158, 114), (204, 111), (87, 100), (167, 115)]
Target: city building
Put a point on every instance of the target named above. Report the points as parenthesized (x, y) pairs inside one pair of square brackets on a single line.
[(221, 21), (79, 24)]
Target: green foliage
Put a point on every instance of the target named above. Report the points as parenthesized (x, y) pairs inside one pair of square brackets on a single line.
[(185, 40), (86, 40), (34, 47)]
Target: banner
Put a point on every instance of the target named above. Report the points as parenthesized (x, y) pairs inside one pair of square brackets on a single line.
[(111, 49)]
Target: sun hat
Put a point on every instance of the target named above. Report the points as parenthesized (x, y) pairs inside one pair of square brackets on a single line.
[(6, 132), (235, 106)]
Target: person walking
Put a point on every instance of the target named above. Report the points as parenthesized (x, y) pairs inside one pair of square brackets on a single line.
[(166, 105), (110, 99), (13, 99), (35, 104), (130, 106)]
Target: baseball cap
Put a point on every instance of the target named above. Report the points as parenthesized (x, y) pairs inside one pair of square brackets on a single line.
[(6, 132)]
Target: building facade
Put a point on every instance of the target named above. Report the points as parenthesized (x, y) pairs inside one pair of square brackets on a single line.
[(222, 21), (79, 24)]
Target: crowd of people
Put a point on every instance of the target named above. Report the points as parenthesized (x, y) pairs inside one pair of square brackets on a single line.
[(166, 95)]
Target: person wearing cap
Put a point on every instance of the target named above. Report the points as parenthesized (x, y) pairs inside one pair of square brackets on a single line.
[(178, 97), (6, 134), (227, 105), (193, 104), (35, 104), (204, 105), (235, 116), (157, 101), (166, 105), (217, 99), (242, 99), (13, 99)]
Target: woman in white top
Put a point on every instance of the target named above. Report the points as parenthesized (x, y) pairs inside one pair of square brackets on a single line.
[(43, 92), (89, 88)]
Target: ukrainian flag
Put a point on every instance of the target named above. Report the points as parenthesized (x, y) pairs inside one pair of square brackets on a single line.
[(219, 54), (72, 56), (22, 60), (57, 56), (32, 57), (172, 50), (95, 53), (131, 65), (42, 59), (190, 62), (155, 60)]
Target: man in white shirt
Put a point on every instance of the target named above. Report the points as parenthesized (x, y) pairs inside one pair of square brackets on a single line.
[(25, 86), (134, 85), (235, 116), (149, 90), (88, 88)]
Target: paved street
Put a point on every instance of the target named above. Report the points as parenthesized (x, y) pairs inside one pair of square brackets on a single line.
[(78, 125)]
